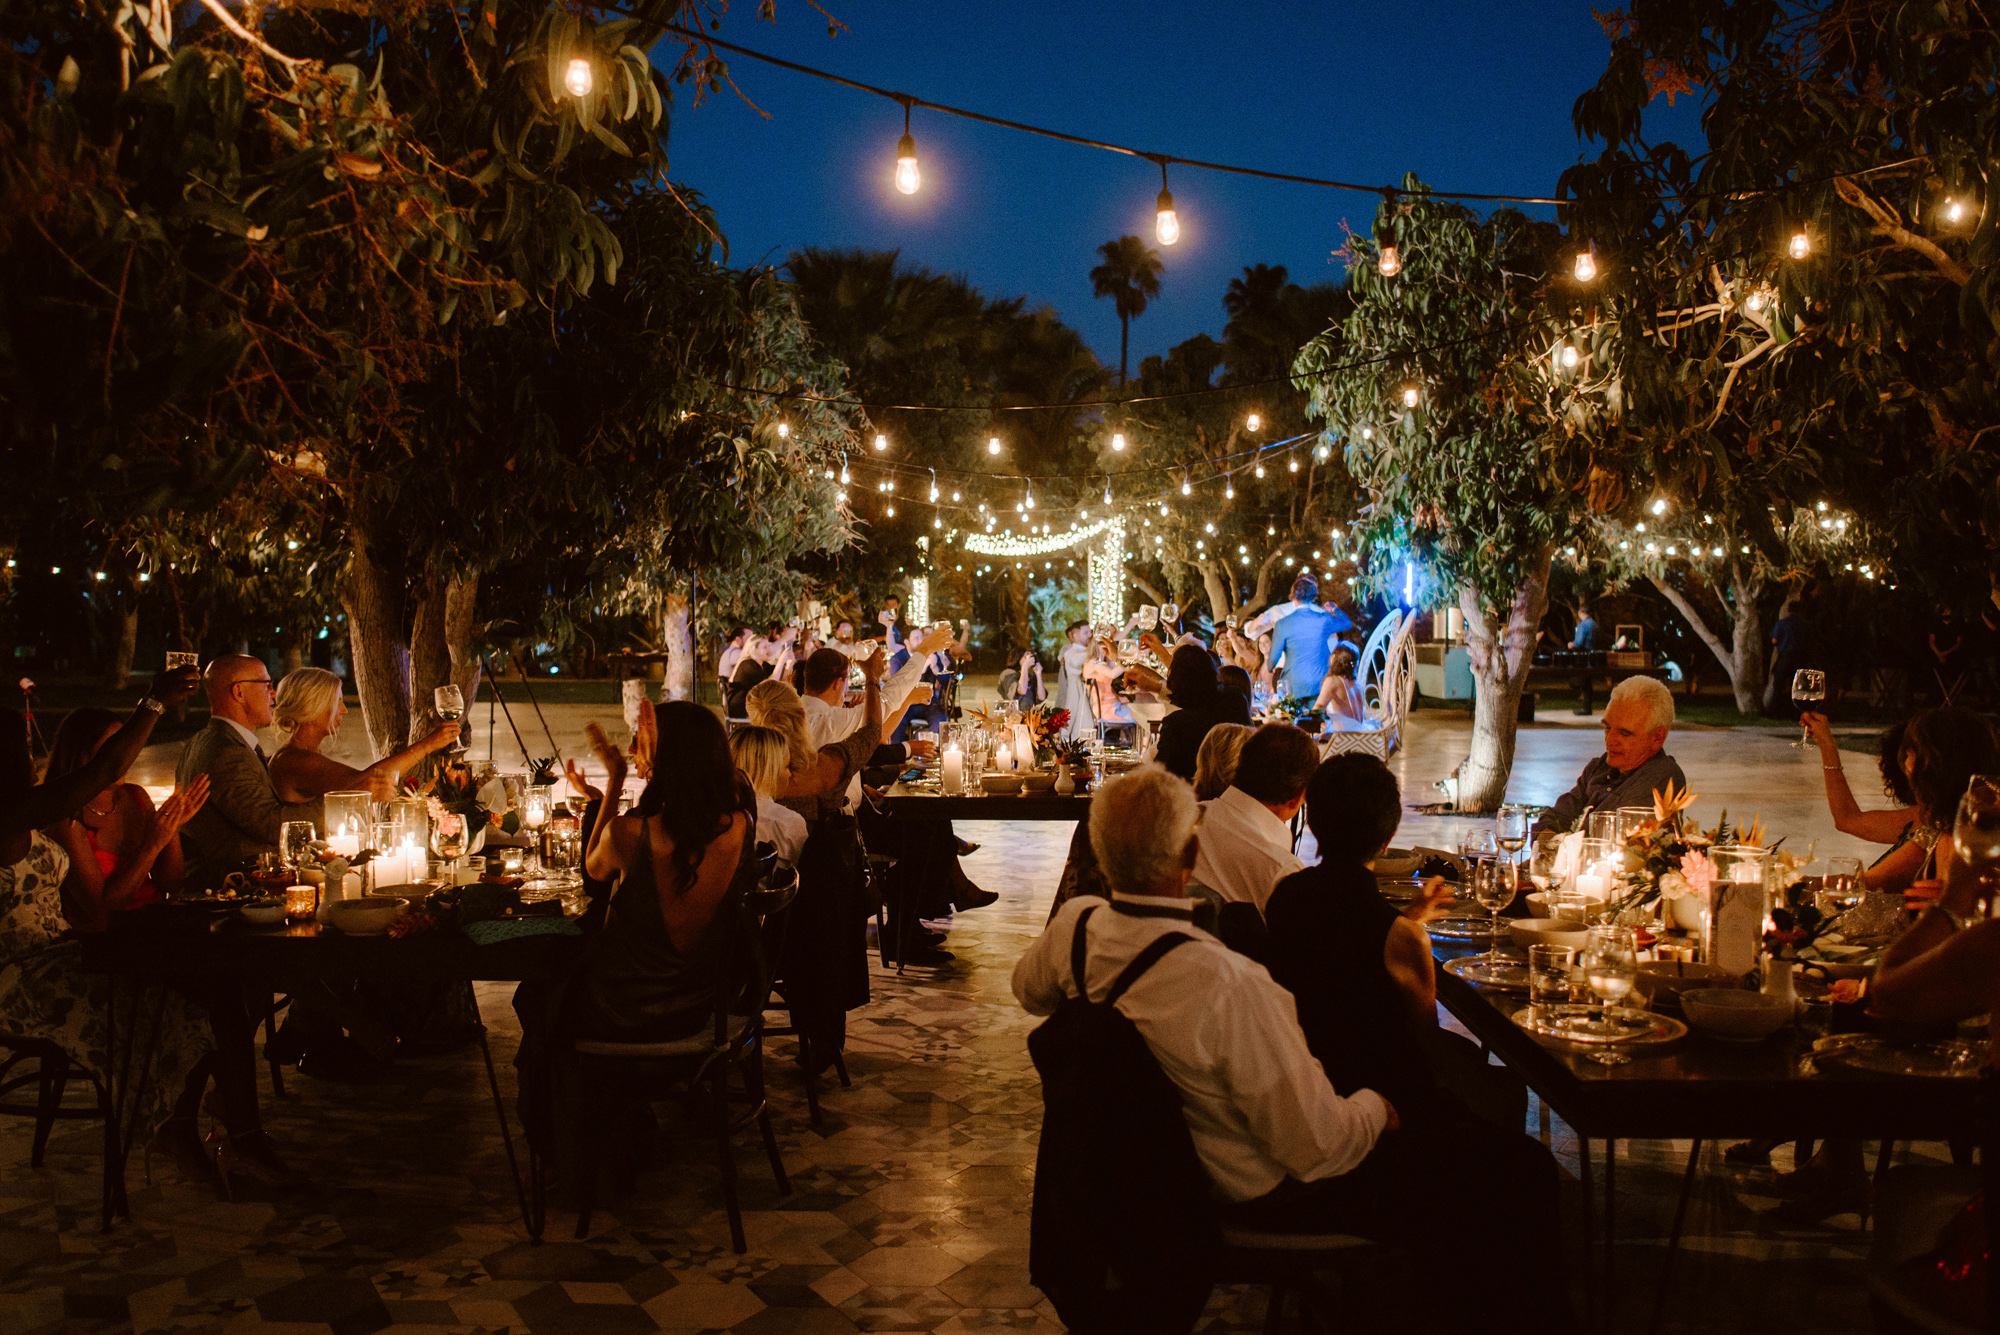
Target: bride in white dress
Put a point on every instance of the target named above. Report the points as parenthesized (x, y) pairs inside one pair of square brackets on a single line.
[(1071, 692)]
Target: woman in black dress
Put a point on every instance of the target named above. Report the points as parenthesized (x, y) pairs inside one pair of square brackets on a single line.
[(1195, 689)]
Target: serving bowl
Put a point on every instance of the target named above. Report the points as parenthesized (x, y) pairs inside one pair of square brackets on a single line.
[(1002, 785), (1734, 1015), (365, 917), (1666, 978), (263, 912), (1548, 932), (1039, 781)]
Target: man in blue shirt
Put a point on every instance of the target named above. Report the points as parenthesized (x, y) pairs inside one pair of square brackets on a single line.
[(1301, 638), (1586, 629)]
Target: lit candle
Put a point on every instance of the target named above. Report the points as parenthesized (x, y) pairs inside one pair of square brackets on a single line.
[(1003, 759), (1747, 873), (1594, 885), (301, 902), (954, 770), (345, 842)]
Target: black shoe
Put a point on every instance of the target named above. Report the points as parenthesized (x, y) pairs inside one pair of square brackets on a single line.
[(973, 899), (925, 955)]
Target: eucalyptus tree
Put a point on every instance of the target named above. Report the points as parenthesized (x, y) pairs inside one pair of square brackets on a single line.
[(1426, 388)]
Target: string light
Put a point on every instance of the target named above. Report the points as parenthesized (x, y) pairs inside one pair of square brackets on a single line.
[(1293, 462), (1186, 489), (1586, 264), (1031, 498), (1388, 263), (1660, 506), (892, 512), (1117, 441), (1756, 301), (908, 178), (1254, 422), (1107, 490), (1367, 433), (1953, 210), (1570, 356), (1259, 469), (1229, 491), (881, 442), (1409, 395), (1801, 244), (993, 445), (1166, 226), (843, 468), (934, 490), (982, 544), (784, 430), (577, 79)]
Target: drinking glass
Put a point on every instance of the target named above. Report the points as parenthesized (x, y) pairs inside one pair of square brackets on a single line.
[(1494, 890), (1601, 824), (1476, 844), (1808, 688), (1842, 889), (1548, 979), (1611, 968), (1975, 835), (448, 836), (1628, 823), (177, 658), (1542, 866), (295, 839), (1510, 832), (450, 704)]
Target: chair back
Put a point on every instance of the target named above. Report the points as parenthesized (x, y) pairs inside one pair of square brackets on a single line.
[(1373, 667)]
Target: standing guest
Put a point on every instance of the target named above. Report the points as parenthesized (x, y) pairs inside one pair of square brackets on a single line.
[(1215, 763), (1195, 690), (762, 754), (123, 852), (1791, 649), (1634, 766), (758, 664), (829, 720), (244, 811), (309, 710), (1237, 650), (1946, 641), (1071, 692), (731, 655), (890, 618), (1586, 629), (1302, 635), (1100, 679), (1246, 834)]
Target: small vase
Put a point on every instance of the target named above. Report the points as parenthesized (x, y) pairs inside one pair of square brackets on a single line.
[(1065, 784), (1778, 979)]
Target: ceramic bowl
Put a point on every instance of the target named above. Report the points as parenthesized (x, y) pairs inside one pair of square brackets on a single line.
[(1039, 781), (1001, 785), (263, 912), (1547, 932), (1537, 902), (1668, 979), (1398, 862), (1734, 1015), (365, 917)]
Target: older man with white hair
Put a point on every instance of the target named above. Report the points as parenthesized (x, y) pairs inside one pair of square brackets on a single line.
[(1634, 766)]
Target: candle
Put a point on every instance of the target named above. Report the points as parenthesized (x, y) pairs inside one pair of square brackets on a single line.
[(1747, 873), (1003, 759), (1594, 885), (345, 842), (301, 901), (954, 770)]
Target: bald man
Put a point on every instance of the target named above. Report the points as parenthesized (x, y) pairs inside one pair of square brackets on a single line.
[(243, 813)]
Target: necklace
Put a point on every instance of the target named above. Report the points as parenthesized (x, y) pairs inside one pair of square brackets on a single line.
[(106, 812)]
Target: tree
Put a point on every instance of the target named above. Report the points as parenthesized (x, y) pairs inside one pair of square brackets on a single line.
[(1130, 276), (1424, 388)]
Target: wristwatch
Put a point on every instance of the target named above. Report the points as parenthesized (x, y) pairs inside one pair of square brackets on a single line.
[(148, 702)]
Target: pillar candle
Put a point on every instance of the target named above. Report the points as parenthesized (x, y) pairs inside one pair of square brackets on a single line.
[(1003, 759), (1593, 885), (954, 770), (344, 843)]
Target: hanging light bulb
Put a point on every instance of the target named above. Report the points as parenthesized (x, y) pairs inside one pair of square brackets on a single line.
[(1801, 245), (908, 178), (1166, 226), (890, 485), (1259, 469), (784, 430), (1586, 264), (1293, 463), (993, 445), (881, 442), (1409, 395), (1031, 498), (1117, 441), (954, 496), (1229, 491), (1254, 422), (1186, 490), (1570, 356), (843, 470), (577, 78), (1367, 433), (1660, 506), (1388, 263), (892, 512), (1953, 210), (1107, 491), (934, 490)]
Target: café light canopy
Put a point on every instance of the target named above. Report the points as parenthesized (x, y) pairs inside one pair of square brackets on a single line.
[(1006, 544), (908, 178), (577, 79)]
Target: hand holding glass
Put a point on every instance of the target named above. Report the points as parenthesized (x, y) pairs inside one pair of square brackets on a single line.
[(1808, 688)]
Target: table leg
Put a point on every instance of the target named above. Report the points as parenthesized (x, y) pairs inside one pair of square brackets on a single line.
[(1610, 1229), (1674, 1237), (1589, 1236), (108, 1202), (531, 1211)]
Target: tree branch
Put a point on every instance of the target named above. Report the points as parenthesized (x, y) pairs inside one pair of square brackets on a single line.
[(1694, 618), (1888, 224)]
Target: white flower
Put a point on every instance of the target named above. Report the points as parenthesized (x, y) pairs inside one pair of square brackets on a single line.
[(1675, 886)]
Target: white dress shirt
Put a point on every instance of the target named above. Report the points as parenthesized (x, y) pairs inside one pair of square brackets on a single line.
[(1245, 850), (1257, 1103), (782, 828), (725, 666)]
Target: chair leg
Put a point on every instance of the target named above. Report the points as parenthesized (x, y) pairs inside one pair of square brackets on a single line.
[(270, 1034), (727, 1160), (53, 1070), (753, 1084), (771, 1149), (1274, 1315), (840, 1069), (531, 1215)]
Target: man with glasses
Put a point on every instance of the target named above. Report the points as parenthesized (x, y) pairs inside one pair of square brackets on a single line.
[(243, 813)]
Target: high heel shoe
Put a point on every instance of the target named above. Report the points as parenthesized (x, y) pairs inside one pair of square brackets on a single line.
[(179, 1142)]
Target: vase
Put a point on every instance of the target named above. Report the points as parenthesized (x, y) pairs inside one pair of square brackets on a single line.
[(1065, 782), (1778, 979)]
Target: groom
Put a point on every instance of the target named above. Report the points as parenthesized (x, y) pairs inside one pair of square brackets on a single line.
[(243, 813)]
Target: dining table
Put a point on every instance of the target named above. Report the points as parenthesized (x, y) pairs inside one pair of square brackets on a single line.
[(201, 943), (1698, 1088), (902, 801)]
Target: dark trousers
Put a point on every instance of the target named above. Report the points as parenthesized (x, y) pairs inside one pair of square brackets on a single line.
[(1418, 1179)]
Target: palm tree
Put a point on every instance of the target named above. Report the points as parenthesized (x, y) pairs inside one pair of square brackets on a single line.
[(1130, 276)]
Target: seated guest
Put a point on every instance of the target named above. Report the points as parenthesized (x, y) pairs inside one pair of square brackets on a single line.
[(1215, 763), (1633, 766), (1940, 751), (1246, 834), (1361, 970), (309, 710), (1339, 696), (1236, 680), (1199, 704), (244, 811), (123, 852), (761, 753), (1893, 825), (1101, 672), (1284, 1150)]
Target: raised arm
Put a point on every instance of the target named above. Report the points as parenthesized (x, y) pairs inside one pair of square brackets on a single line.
[(56, 800), (599, 859), (1877, 827), (1936, 971), (837, 762)]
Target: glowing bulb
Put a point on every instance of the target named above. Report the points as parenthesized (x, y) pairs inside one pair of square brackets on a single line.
[(842, 498), (1756, 302), (1254, 422), (1409, 396), (784, 430), (892, 512), (1801, 245), (889, 485), (1953, 210), (843, 475), (1367, 433), (1569, 354), (1293, 464), (1660, 506), (1586, 265), (1259, 470), (1117, 441), (881, 442), (1229, 491), (908, 178), (1107, 491), (1388, 263), (577, 78), (1031, 500), (1186, 490), (954, 496), (1167, 227), (993, 445)]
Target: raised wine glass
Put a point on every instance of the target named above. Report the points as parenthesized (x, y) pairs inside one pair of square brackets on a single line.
[(1808, 688), (448, 836), (1975, 835), (450, 704)]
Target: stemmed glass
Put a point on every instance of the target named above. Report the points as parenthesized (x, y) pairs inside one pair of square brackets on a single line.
[(1842, 888), (1510, 832), (1611, 967), (295, 840), (1494, 889), (450, 704), (1808, 688), (448, 836), (1975, 835)]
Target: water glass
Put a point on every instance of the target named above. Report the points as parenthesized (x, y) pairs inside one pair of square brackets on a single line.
[(1601, 825), (1611, 968), (1629, 819), (1548, 980), (295, 839), (448, 837), (1842, 888)]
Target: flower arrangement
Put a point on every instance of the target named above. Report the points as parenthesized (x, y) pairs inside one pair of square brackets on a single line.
[(1075, 751), (455, 788), (1669, 861), (1301, 710), (1046, 725)]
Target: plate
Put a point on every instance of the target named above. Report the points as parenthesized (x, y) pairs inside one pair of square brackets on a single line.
[(1872, 1054), (1637, 1026), (1506, 976), (1462, 929)]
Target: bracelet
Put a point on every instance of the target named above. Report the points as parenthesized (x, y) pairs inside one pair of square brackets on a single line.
[(1958, 923), (1833, 769), (148, 702)]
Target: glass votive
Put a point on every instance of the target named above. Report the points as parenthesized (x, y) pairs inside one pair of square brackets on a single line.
[(512, 860), (301, 903), (1549, 970)]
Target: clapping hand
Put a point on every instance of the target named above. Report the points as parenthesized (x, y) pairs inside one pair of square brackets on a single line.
[(611, 757), (1432, 902), (178, 809), (580, 783), (645, 740)]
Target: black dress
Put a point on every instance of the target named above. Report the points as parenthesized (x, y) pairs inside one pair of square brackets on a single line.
[(1181, 731)]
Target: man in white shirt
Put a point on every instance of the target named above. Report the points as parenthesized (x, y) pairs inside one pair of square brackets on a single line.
[(732, 654), (1257, 1103), (829, 720), (1246, 834)]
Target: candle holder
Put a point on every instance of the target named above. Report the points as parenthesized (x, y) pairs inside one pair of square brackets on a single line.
[(301, 903), (349, 822)]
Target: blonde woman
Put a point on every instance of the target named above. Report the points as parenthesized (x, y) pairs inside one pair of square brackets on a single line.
[(816, 778), (764, 756), (309, 709), (1215, 762)]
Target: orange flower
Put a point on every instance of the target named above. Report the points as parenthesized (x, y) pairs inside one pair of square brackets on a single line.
[(1667, 803)]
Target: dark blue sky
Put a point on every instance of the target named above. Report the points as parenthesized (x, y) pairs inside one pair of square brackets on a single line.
[(1471, 95)]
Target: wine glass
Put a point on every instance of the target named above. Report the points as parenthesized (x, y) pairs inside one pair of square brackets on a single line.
[(450, 704), (1611, 968), (448, 836), (295, 840), (1510, 832), (1494, 890), (1975, 835), (1808, 688), (1602, 823), (1842, 889)]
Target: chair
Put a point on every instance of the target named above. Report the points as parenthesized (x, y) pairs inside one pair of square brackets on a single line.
[(776, 924), (50, 1077), (1290, 1265), (1388, 681), (698, 1067)]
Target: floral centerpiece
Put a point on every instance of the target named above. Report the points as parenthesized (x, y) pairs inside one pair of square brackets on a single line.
[(1666, 860), (1301, 711), (1046, 724), (455, 788)]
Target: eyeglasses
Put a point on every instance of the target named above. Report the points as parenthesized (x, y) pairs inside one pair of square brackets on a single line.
[(268, 685)]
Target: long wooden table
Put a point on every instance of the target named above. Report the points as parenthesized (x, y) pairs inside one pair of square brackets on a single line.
[(902, 803), (1700, 1088)]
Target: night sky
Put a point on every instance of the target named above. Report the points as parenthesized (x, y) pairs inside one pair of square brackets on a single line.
[(1470, 95)]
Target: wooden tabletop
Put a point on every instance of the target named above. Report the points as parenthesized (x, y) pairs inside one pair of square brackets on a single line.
[(1705, 1087), (899, 803)]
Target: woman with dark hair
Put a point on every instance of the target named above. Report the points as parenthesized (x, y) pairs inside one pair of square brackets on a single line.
[(121, 849), (1195, 690), (1940, 752)]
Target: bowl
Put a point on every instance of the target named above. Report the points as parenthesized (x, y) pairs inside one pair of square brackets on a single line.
[(1667, 979), (365, 917), (1397, 862), (263, 912), (1733, 1015), (1548, 932), (1002, 785), (1039, 781)]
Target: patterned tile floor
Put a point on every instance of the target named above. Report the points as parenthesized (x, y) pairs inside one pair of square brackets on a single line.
[(910, 1209)]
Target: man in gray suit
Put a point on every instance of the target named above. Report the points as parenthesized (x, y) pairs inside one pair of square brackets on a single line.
[(243, 813)]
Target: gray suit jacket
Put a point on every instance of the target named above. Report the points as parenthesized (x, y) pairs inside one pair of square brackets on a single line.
[(242, 814)]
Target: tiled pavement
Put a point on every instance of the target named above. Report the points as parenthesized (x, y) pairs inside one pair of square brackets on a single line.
[(910, 1209)]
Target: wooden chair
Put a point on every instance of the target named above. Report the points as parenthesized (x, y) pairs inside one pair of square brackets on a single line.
[(1388, 683), (1291, 1265), (50, 1077)]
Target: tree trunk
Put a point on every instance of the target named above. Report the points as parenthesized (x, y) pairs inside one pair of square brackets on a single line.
[(125, 632), (679, 635), (373, 601), (1124, 338), (1500, 663), (1216, 583), (440, 635), (1743, 660), (1146, 586)]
